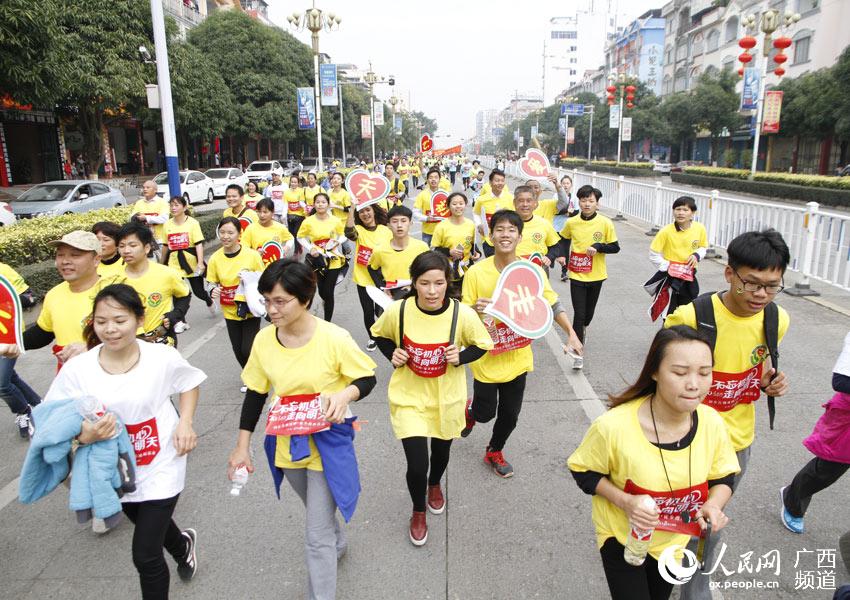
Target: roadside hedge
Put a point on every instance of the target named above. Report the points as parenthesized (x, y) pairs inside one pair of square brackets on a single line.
[(628, 171), (768, 189), (626, 165), (838, 183)]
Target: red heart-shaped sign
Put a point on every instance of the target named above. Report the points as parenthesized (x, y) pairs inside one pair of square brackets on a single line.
[(440, 204), (534, 165), (426, 143), (518, 300), (271, 251), (366, 188), (245, 221), (11, 321)]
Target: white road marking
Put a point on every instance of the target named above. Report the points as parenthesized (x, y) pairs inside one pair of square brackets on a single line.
[(590, 402)]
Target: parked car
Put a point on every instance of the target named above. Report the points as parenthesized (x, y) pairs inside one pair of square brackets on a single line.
[(65, 197), (292, 166), (224, 177), (844, 172), (7, 216), (263, 169), (661, 167), (194, 186)]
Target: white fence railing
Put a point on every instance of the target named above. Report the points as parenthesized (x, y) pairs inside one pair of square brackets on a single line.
[(819, 240)]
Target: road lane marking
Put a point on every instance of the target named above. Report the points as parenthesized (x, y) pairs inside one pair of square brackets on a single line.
[(590, 402)]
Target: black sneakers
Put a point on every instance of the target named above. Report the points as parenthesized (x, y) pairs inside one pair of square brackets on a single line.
[(188, 566), (24, 423)]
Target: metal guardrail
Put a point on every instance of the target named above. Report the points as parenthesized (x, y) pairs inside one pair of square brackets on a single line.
[(819, 240)]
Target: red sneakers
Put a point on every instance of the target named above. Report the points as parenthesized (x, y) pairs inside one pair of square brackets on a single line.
[(470, 421), (497, 462), (436, 502), (418, 529)]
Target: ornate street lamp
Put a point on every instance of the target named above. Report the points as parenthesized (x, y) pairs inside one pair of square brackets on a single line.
[(627, 93)]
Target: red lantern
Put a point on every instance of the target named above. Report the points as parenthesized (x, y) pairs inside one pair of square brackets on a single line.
[(782, 43), (780, 58), (745, 58), (611, 89), (779, 71), (747, 42), (630, 105), (630, 89), (740, 72), (610, 100)]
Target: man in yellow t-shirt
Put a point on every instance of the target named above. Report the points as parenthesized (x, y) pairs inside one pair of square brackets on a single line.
[(152, 210), (237, 208), (398, 189), (422, 206), (390, 262), (538, 235), (487, 204), (499, 376), (743, 367)]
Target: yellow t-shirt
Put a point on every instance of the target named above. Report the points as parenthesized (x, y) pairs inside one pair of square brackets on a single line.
[(616, 446), (182, 237), (114, 269), (268, 241), (404, 171), (537, 235), (739, 356), (423, 204), (397, 188), (547, 209), (65, 313), (157, 288), (510, 358), (156, 207), (310, 195), (485, 189), (427, 396), (415, 170), (583, 234), (445, 184), (295, 201), (14, 278), (250, 200), (224, 271), (395, 264), (320, 232), (678, 246), (449, 235), (367, 242), (246, 217), (487, 205), (328, 363), (340, 199)]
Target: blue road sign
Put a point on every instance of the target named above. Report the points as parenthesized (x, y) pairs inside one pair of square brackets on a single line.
[(574, 110)]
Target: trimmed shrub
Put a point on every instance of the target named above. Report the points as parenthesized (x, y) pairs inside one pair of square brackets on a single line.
[(768, 189), (621, 170), (839, 183), (625, 165)]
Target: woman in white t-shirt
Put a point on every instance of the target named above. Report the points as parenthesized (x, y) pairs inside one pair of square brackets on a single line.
[(133, 380)]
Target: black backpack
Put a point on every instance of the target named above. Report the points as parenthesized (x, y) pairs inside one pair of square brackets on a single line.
[(704, 311), (452, 331)]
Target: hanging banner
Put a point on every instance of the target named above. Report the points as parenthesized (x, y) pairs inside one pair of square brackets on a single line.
[(571, 135), (366, 127), (398, 123), (627, 129), (750, 90), (446, 151), (562, 126), (379, 113), (534, 131), (328, 85), (772, 111), (306, 108), (614, 116)]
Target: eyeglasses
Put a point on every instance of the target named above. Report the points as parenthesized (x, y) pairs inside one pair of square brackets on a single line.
[(750, 286)]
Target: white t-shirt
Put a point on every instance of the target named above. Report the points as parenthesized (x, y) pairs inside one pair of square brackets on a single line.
[(140, 400), (275, 192), (842, 365)]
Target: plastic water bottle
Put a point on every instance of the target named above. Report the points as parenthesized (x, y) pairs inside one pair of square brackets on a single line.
[(638, 541), (239, 480)]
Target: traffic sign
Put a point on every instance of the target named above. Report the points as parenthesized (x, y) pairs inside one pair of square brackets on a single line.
[(573, 110)]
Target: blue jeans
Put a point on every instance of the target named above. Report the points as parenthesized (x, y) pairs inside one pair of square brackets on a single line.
[(14, 390), (426, 237)]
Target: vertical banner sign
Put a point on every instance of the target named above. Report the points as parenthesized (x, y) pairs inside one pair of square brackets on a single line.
[(306, 108), (397, 124), (751, 90), (379, 113), (627, 129), (366, 127), (562, 126), (772, 110), (534, 131), (614, 116), (328, 83), (571, 135)]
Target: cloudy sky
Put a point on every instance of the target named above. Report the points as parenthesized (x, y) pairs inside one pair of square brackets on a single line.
[(453, 57)]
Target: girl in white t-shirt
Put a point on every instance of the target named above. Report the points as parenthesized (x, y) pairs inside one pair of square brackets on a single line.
[(133, 380)]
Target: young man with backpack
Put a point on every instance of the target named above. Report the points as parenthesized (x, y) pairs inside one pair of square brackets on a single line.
[(745, 327)]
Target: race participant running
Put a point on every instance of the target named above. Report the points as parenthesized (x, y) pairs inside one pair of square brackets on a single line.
[(398, 190), (184, 252), (235, 207), (339, 197), (322, 235), (367, 228), (499, 376), (296, 206), (110, 260), (301, 359), (422, 337), (743, 367), (389, 265), (276, 192), (415, 172), (658, 460), (134, 381), (676, 250), (466, 173), (549, 207), (488, 203), (586, 241), (152, 210), (564, 188), (252, 195), (310, 190), (163, 290), (268, 237), (476, 185), (538, 235), (455, 238), (422, 206)]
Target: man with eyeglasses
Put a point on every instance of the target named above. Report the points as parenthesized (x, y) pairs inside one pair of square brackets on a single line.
[(743, 367)]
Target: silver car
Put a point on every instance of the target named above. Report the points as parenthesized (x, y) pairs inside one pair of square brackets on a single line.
[(65, 197), (223, 177)]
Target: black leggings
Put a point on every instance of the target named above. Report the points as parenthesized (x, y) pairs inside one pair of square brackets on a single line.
[(370, 310), (626, 582), (326, 285), (198, 289), (817, 475), (500, 400), (293, 223), (416, 452), (242, 334), (155, 530), (584, 295)]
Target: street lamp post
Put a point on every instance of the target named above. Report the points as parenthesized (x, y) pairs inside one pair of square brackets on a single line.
[(566, 100), (627, 94), (163, 80), (314, 20)]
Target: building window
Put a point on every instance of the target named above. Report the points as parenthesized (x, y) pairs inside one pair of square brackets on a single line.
[(573, 61), (572, 71), (573, 48), (668, 55), (681, 82), (563, 35), (801, 48), (694, 77), (713, 40), (731, 29), (712, 71), (682, 51), (805, 6), (728, 63), (697, 45), (668, 84)]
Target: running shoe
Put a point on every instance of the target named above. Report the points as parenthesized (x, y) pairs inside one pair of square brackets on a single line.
[(497, 462), (371, 346), (188, 565), (24, 423), (578, 363), (181, 326), (243, 389), (436, 501), (791, 523), (470, 420), (418, 529)]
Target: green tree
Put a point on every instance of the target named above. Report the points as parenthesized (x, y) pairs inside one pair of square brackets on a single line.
[(715, 106), (678, 112)]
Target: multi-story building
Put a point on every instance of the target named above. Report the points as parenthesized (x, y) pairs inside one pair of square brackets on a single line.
[(187, 13), (637, 50), (485, 122)]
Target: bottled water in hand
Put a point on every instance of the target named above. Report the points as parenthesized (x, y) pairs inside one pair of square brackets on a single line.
[(239, 480)]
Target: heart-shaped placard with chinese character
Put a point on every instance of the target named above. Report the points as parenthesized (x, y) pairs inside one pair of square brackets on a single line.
[(426, 144), (534, 165), (536, 258), (518, 300), (271, 251), (11, 315), (440, 204), (366, 188)]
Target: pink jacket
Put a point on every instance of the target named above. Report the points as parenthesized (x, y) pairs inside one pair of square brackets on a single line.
[(830, 439)]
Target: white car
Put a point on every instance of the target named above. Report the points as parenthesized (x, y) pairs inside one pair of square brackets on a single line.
[(263, 169), (194, 186), (662, 167), (7, 217), (224, 177)]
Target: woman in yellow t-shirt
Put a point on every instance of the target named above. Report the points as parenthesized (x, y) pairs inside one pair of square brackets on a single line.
[(183, 250), (367, 228), (315, 368), (422, 336), (339, 197), (659, 465), (310, 190), (322, 235), (252, 195), (296, 205), (223, 272), (455, 237), (111, 264), (268, 237), (676, 250)]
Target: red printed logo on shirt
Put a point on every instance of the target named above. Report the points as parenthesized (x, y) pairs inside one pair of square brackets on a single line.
[(293, 206), (728, 390), (296, 415), (580, 263), (681, 271), (364, 253), (506, 339), (145, 440), (178, 241), (277, 194), (228, 295), (672, 505), (426, 360)]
